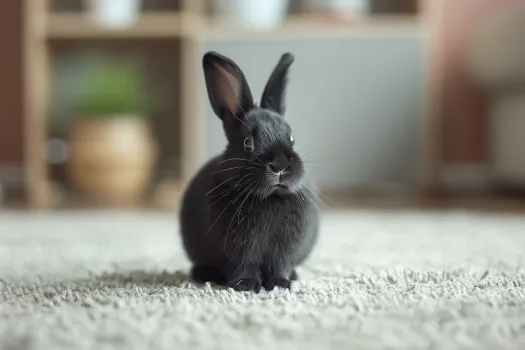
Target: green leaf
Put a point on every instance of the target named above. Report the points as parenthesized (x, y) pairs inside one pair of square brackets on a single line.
[(113, 88)]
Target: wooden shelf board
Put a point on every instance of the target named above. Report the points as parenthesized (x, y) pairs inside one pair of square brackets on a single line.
[(312, 27), (80, 26), (162, 25)]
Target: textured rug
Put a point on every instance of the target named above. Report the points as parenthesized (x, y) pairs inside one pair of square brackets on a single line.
[(389, 280)]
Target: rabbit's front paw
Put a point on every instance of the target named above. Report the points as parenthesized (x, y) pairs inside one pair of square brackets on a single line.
[(246, 285), (273, 282)]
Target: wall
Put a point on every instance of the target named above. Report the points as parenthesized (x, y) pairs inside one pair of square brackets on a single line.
[(353, 102)]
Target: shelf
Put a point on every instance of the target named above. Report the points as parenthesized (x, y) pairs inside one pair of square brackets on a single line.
[(80, 26), (170, 25), (309, 27)]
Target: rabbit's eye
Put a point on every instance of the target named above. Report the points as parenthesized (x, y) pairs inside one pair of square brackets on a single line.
[(248, 144), (292, 140)]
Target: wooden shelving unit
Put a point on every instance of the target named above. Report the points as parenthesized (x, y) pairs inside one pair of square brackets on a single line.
[(79, 26), (185, 26), (305, 26)]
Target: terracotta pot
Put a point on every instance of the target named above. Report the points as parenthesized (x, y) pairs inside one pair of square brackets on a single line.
[(111, 159)]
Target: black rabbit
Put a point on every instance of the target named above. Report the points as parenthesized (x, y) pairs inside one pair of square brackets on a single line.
[(247, 217)]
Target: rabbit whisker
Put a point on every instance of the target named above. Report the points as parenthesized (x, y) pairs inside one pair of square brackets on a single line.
[(239, 208), (213, 189), (240, 119), (317, 197), (309, 181), (238, 104), (252, 185), (254, 195), (231, 220), (218, 217), (238, 182), (231, 159), (257, 196), (259, 160), (319, 160), (302, 198), (326, 198), (228, 191), (235, 167), (253, 200), (310, 200), (316, 150), (242, 109)]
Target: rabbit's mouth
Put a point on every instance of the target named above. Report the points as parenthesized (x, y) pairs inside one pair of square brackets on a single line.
[(280, 189), (284, 188), (281, 183)]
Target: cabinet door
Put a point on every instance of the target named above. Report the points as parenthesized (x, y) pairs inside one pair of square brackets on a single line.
[(354, 102)]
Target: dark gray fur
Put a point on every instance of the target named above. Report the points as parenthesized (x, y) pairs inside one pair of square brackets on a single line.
[(243, 224)]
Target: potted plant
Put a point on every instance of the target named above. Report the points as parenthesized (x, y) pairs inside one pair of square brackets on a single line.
[(114, 13), (111, 151)]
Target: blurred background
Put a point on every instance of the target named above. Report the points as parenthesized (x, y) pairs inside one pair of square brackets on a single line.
[(393, 102)]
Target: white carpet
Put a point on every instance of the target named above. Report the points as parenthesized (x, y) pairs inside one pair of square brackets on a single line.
[(377, 280)]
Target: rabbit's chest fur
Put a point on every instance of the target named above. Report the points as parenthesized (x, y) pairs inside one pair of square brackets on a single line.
[(267, 229)]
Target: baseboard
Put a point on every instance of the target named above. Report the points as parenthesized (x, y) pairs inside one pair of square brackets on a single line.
[(466, 177)]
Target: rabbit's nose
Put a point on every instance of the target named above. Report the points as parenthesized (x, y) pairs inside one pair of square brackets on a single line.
[(279, 164)]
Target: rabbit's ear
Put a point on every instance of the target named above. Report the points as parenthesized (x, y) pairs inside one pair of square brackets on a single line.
[(228, 90), (274, 91)]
